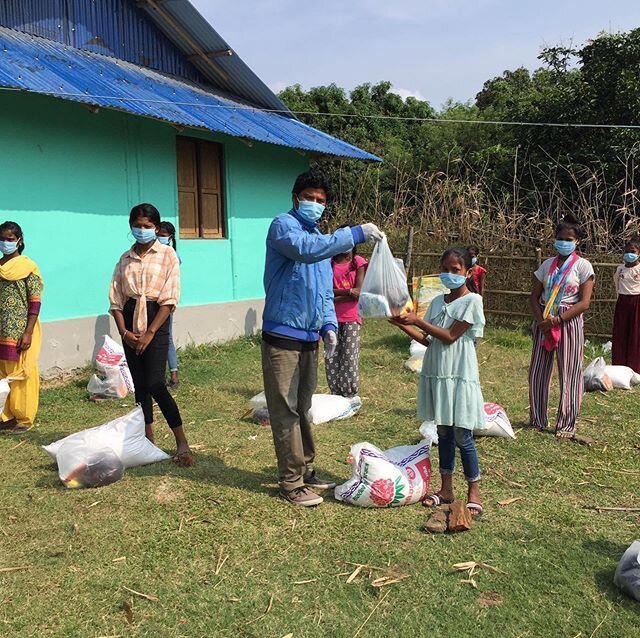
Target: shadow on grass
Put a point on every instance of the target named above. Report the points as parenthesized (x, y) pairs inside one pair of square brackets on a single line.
[(395, 342), (604, 577), (212, 470), (245, 392)]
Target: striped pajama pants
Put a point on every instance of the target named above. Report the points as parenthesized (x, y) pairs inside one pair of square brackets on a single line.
[(569, 355)]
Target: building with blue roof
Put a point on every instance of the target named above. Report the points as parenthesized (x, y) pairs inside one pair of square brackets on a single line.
[(106, 104)]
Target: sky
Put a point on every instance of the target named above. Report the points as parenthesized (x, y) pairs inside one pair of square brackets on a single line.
[(431, 49)]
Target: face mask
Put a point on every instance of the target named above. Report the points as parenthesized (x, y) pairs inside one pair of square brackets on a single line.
[(630, 258), (8, 247), (452, 282), (310, 211), (143, 235), (565, 248), (165, 240), (474, 261)]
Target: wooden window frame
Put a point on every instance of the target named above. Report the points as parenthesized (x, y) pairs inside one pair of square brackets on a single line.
[(200, 177)]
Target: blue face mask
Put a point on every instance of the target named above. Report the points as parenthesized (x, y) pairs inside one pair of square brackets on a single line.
[(630, 258), (143, 235), (452, 282), (310, 211), (565, 248), (8, 247), (164, 240), (474, 261)]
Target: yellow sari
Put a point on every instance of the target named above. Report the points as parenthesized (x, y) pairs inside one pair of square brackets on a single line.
[(23, 375)]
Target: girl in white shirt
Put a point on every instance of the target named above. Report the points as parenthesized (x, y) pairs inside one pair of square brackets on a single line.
[(626, 322), (561, 294)]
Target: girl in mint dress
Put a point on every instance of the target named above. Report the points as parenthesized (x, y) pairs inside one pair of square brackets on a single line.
[(449, 390)]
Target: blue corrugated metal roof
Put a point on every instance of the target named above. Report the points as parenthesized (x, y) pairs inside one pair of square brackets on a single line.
[(191, 32), (43, 66)]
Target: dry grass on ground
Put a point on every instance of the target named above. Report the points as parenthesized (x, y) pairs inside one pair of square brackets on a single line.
[(217, 555)]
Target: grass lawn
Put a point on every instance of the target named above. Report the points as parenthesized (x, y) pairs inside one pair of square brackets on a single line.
[(221, 556)]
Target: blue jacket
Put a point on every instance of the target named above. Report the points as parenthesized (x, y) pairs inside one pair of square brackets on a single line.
[(298, 278)]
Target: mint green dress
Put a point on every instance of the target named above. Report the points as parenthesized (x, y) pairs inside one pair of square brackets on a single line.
[(449, 390)]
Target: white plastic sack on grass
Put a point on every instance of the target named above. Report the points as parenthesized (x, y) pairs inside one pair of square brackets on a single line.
[(4, 392), (596, 378), (384, 290), (125, 436), (88, 461), (496, 422), (329, 407), (324, 408), (111, 364), (399, 476), (416, 356), (622, 377), (627, 576)]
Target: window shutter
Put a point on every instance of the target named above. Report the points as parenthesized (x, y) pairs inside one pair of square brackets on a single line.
[(210, 190), (187, 187)]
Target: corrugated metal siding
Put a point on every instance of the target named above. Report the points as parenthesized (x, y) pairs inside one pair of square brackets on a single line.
[(35, 64), (111, 27)]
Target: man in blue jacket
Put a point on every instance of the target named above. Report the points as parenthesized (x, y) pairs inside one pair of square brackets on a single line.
[(299, 310)]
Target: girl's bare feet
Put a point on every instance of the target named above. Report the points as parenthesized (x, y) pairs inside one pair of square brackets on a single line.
[(148, 431)]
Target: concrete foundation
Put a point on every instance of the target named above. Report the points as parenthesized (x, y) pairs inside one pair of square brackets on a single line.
[(73, 343)]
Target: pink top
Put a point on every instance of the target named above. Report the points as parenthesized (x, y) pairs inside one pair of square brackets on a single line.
[(344, 278)]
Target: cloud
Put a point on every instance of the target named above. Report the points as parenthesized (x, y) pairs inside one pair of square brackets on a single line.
[(405, 93)]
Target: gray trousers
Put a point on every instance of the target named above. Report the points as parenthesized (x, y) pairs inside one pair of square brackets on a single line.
[(290, 379)]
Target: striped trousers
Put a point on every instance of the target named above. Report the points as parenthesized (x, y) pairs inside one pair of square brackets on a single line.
[(569, 355)]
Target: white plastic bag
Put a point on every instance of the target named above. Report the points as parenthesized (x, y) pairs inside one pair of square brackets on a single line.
[(111, 364), (4, 392), (399, 476), (125, 436), (416, 356), (384, 290), (324, 408), (88, 461), (627, 576), (429, 432), (622, 377), (596, 378), (496, 422), (329, 407)]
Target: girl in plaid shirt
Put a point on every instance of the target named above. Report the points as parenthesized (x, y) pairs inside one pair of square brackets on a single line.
[(144, 292)]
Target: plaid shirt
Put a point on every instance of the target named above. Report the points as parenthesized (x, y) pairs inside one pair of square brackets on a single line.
[(153, 277)]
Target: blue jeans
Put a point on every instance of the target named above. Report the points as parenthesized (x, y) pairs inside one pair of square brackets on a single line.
[(172, 356), (448, 438)]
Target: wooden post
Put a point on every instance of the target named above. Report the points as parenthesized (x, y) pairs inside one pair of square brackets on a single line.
[(539, 256), (407, 259)]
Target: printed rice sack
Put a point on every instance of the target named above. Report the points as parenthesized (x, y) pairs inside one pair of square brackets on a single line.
[(496, 422), (398, 476), (113, 380), (324, 408)]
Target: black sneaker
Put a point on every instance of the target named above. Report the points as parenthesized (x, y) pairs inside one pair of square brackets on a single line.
[(311, 480), (301, 496)]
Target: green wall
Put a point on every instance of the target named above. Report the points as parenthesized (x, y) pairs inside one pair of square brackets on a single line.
[(69, 178)]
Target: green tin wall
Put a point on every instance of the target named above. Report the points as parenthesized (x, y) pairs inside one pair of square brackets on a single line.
[(69, 178)]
